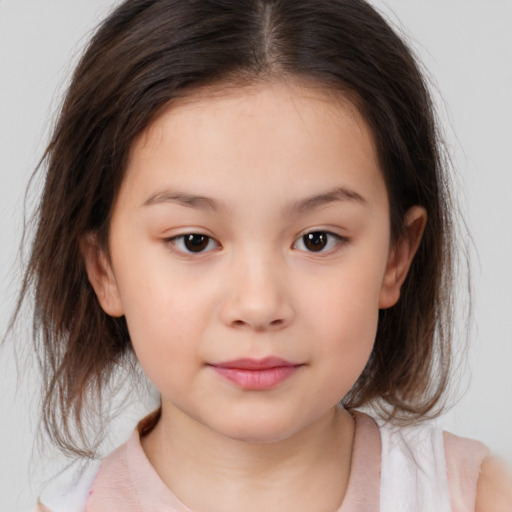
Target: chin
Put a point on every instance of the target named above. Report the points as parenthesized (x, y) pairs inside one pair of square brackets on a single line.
[(263, 430)]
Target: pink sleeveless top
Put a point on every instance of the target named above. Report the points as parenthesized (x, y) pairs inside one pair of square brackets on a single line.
[(416, 469)]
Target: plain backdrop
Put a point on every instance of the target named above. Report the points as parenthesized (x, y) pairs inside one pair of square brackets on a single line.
[(467, 47)]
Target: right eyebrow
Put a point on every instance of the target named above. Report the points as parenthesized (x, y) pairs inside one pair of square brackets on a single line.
[(186, 199)]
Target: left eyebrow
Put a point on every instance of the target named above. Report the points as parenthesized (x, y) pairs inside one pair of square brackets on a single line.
[(338, 194)]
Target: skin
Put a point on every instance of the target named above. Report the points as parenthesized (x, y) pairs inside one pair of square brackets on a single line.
[(274, 162), (494, 491)]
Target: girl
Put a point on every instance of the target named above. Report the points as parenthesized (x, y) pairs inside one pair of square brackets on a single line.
[(248, 197)]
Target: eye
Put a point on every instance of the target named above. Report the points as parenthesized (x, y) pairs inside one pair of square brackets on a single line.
[(193, 243), (318, 241)]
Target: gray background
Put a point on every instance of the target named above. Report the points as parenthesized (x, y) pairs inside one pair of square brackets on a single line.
[(467, 47)]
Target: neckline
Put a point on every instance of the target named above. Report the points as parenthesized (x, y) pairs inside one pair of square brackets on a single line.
[(151, 493)]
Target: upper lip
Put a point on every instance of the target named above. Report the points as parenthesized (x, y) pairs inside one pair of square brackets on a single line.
[(255, 364)]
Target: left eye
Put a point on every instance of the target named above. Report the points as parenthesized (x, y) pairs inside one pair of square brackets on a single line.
[(193, 243), (318, 241)]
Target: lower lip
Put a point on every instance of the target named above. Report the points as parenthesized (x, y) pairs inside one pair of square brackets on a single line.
[(257, 380)]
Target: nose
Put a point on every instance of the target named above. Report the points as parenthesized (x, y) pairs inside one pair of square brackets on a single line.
[(256, 296)]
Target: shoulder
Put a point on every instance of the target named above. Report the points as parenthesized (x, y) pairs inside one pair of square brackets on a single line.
[(69, 491), (439, 469), (72, 489), (77, 490), (413, 468), (494, 491), (464, 461), (108, 485)]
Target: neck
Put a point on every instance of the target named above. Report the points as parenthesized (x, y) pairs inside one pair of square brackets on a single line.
[(308, 470)]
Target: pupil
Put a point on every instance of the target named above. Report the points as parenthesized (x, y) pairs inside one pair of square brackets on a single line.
[(315, 241), (196, 243)]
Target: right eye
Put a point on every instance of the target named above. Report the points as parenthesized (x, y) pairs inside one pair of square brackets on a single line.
[(193, 243)]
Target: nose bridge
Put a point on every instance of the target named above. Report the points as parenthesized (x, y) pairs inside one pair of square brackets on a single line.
[(257, 295)]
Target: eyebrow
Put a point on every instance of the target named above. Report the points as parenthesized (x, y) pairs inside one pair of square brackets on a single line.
[(338, 194), (186, 199)]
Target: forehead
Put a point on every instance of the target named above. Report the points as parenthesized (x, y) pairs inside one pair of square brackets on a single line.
[(258, 101), (270, 133)]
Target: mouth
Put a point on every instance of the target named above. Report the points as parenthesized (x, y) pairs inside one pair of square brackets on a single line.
[(256, 374)]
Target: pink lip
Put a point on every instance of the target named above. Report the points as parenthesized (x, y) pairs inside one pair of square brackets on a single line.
[(256, 374)]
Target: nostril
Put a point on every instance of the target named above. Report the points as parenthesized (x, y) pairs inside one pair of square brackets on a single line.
[(274, 323)]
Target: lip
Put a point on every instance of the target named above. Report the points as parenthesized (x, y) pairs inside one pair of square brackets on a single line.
[(256, 374)]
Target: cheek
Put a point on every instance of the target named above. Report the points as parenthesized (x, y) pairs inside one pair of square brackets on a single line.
[(350, 334), (345, 317), (165, 319), (346, 301), (165, 345)]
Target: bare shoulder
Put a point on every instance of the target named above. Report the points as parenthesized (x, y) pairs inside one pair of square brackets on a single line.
[(41, 508), (494, 491)]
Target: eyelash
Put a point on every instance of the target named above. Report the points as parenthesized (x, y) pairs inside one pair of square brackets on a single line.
[(334, 239)]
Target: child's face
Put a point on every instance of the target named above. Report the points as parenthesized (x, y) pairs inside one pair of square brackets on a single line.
[(251, 173)]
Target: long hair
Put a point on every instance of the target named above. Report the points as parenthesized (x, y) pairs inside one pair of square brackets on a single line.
[(148, 53)]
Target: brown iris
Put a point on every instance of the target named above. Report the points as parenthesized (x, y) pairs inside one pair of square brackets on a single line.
[(316, 241), (195, 242)]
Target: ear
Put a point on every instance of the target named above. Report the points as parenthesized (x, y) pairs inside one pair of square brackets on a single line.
[(100, 274), (401, 256)]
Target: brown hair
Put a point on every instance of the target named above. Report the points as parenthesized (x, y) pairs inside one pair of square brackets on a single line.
[(149, 52)]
